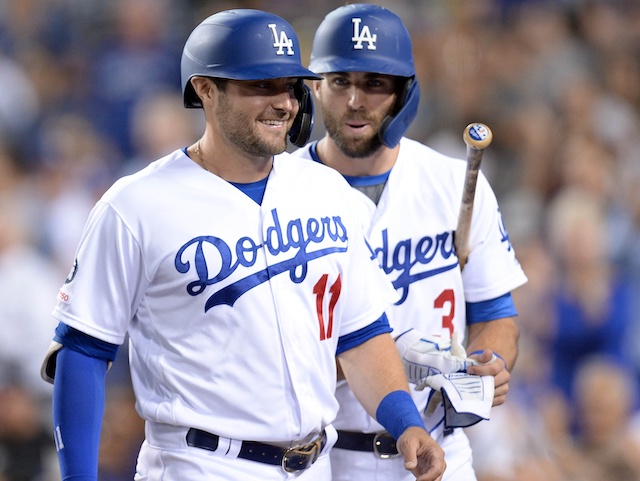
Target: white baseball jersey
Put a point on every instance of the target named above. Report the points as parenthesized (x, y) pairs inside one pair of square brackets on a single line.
[(411, 232), (234, 309)]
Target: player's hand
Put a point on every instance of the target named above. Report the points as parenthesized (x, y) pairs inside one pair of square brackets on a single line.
[(491, 365), (422, 455)]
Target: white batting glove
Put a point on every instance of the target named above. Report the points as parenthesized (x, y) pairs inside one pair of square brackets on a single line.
[(468, 398), (424, 356)]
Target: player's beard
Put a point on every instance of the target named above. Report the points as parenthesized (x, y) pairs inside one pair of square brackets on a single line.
[(355, 147), (239, 130)]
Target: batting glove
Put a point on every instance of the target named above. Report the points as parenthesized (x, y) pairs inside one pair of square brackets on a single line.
[(425, 356)]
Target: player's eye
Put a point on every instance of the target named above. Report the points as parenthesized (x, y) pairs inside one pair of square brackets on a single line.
[(384, 85), (341, 81), (291, 89)]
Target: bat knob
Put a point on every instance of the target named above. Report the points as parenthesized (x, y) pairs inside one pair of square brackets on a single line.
[(477, 136)]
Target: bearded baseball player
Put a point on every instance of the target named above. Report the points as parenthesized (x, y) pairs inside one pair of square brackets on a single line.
[(239, 274), (409, 197)]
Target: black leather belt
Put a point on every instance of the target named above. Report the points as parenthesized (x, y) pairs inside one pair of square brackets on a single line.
[(297, 458), (382, 444)]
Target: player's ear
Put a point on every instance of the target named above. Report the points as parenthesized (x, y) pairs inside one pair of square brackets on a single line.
[(202, 86), (315, 87)]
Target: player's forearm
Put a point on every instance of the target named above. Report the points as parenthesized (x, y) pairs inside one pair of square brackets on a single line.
[(373, 370), (500, 335)]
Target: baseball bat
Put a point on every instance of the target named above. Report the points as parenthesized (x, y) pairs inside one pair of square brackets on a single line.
[(477, 137)]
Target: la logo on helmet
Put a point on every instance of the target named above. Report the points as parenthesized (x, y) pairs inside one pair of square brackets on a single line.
[(363, 35), (282, 42)]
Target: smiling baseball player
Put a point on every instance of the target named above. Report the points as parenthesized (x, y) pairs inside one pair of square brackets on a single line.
[(238, 280), (409, 196)]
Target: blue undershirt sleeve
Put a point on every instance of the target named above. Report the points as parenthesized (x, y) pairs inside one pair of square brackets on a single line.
[(78, 407), (78, 401), (84, 343), (490, 310)]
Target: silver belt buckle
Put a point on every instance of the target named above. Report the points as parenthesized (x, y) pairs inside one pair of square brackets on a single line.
[(378, 442)]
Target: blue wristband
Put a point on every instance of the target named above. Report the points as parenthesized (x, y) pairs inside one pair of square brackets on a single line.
[(397, 412)]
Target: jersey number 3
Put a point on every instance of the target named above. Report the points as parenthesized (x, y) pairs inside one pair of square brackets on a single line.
[(320, 289), (447, 297)]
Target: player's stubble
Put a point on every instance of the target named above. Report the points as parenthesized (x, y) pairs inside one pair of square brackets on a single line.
[(239, 129), (352, 146)]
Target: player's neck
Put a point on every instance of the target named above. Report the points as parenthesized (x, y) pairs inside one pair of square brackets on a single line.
[(381, 161), (231, 165)]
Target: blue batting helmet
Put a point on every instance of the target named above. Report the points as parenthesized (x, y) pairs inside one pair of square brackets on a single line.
[(370, 38), (247, 44)]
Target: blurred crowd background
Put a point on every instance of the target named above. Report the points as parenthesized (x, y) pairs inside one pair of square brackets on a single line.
[(90, 91)]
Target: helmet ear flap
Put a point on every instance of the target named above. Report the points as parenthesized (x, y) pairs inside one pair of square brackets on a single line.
[(303, 123), (190, 98), (394, 126)]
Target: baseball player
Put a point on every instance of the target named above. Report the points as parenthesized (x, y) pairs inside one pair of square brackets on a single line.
[(409, 196), (238, 280)]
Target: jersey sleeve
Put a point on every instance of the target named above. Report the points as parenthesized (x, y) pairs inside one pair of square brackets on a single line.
[(380, 326), (101, 294)]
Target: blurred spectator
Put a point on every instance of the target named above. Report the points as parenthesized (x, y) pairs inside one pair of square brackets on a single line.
[(19, 105), (161, 124), (28, 284), (76, 168), (605, 395), (138, 58), (591, 301)]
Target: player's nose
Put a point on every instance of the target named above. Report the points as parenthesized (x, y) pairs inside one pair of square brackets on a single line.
[(284, 101), (356, 98), (283, 97)]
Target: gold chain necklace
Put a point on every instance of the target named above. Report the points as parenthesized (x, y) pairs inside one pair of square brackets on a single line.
[(199, 154)]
